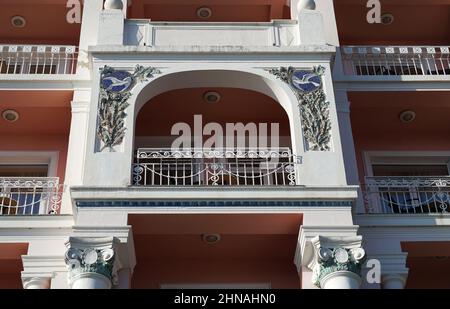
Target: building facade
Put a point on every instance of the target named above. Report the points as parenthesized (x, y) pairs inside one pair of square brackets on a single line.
[(312, 139)]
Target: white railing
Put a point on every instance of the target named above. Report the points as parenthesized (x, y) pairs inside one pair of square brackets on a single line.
[(407, 195), (30, 195), (201, 167), (396, 60), (148, 33), (38, 59)]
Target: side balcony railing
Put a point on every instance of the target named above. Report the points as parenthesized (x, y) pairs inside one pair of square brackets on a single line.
[(202, 167), (30, 195), (407, 195), (396, 60), (38, 59)]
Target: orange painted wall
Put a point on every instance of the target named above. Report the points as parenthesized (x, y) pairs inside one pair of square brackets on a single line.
[(151, 274), (396, 141), (376, 125), (10, 281)]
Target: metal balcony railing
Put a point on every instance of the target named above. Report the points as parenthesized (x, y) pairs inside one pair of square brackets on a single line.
[(407, 195), (396, 60), (30, 195), (38, 59), (227, 167)]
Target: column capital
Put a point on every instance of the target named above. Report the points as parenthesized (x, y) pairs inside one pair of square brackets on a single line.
[(306, 254), (336, 254), (38, 271), (92, 255), (394, 280), (394, 272)]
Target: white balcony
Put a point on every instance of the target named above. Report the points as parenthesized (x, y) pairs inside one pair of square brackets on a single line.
[(38, 60), (264, 34), (407, 195), (396, 60), (228, 167), (30, 195)]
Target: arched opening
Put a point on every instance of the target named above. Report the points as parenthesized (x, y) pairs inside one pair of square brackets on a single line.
[(212, 136)]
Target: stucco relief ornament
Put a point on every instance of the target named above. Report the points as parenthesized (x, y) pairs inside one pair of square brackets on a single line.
[(337, 259), (314, 108), (91, 260), (115, 90)]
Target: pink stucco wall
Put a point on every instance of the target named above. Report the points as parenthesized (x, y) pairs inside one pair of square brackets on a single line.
[(152, 274), (376, 125)]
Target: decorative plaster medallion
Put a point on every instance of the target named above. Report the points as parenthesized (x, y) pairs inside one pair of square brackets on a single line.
[(314, 108)]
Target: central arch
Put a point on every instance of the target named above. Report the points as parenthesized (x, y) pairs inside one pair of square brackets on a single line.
[(256, 80), (214, 78)]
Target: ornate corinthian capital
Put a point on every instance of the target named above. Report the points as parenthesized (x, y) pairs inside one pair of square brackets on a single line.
[(336, 254), (92, 255)]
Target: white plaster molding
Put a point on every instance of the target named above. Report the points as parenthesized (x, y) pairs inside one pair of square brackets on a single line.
[(80, 107), (40, 270), (394, 280), (32, 157), (36, 282)]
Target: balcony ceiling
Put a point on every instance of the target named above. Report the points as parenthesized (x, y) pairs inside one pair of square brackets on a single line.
[(41, 112), (429, 264), (416, 22), (158, 116), (11, 264), (45, 23), (222, 10), (377, 114), (243, 236)]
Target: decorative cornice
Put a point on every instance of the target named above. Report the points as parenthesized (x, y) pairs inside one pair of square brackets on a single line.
[(115, 90), (92, 255), (314, 107), (210, 203)]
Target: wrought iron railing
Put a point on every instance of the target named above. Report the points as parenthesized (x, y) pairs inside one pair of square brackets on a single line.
[(407, 195), (38, 59), (30, 195), (227, 167), (396, 60)]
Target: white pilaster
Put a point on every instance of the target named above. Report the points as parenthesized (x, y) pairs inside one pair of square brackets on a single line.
[(91, 280), (111, 28), (325, 8), (39, 271), (348, 145), (394, 272), (341, 280), (89, 33), (77, 145), (393, 281)]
